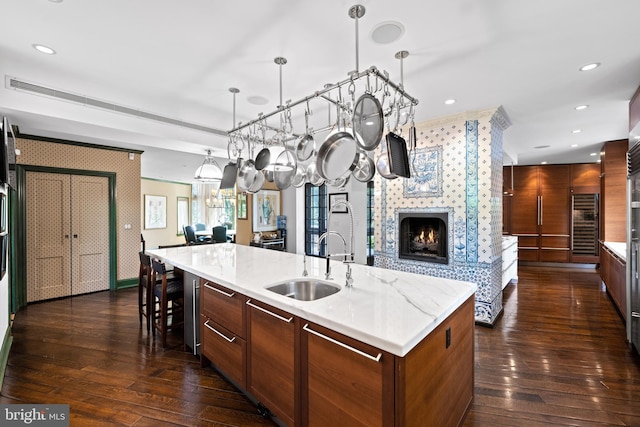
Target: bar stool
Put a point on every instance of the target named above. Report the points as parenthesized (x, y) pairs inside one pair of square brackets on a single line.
[(144, 288), (165, 290)]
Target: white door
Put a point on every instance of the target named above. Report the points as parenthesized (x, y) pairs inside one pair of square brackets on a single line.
[(67, 235)]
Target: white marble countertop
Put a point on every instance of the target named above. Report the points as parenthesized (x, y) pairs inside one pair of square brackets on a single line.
[(618, 248), (389, 309)]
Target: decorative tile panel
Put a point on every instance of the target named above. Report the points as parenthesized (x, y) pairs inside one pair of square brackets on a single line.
[(468, 148)]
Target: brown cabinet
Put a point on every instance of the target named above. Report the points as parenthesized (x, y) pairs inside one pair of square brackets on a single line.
[(345, 382), (273, 360), (614, 191), (223, 331), (540, 212), (613, 271)]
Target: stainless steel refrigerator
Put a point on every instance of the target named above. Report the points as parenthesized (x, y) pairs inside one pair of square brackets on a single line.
[(633, 244)]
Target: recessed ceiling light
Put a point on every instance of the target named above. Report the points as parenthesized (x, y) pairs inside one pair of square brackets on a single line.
[(43, 49), (593, 154), (582, 107), (599, 161), (574, 145), (543, 163), (589, 67), (257, 100), (450, 101), (576, 131), (387, 32)]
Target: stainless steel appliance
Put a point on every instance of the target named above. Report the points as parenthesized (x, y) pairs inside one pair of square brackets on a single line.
[(633, 244)]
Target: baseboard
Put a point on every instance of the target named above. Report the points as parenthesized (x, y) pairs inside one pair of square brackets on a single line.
[(126, 283), (4, 353)]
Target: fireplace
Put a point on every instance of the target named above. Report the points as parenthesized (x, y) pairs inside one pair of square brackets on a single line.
[(423, 237)]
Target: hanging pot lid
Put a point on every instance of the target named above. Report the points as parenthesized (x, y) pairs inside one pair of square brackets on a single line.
[(368, 122)]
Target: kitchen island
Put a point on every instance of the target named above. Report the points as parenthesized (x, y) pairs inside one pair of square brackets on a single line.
[(392, 349)]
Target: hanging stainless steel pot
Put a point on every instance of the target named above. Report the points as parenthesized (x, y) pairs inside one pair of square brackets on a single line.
[(306, 146), (246, 174), (382, 164), (337, 155), (313, 177), (284, 169), (300, 177), (365, 168)]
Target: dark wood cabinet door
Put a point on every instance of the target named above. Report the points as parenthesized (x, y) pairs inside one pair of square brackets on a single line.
[(555, 213), (524, 202), (555, 203), (345, 382), (273, 347)]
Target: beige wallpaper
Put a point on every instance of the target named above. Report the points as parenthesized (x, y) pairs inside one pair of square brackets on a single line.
[(172, 190), (67, 156)]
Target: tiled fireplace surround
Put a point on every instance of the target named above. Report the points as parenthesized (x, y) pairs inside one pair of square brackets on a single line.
[(458, 172)]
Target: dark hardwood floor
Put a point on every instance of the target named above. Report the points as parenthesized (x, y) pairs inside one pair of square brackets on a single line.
[(557, 356)]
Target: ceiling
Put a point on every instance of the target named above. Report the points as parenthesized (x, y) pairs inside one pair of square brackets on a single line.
[(176, 61)]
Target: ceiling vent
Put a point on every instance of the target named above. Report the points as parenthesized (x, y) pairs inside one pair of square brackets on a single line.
[(19, 85)]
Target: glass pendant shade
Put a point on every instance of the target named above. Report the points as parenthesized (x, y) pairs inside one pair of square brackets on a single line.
[(209, 171)]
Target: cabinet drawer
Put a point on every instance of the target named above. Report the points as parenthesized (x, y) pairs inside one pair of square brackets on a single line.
[(226, 350), (224, 306)]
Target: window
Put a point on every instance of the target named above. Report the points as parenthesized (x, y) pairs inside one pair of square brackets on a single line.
[(213, 207), (370, 224), (315, 218)]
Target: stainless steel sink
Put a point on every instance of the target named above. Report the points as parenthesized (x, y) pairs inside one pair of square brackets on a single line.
[(304, 289)]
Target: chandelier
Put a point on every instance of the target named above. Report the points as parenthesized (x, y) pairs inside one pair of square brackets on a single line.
[(365, 103)]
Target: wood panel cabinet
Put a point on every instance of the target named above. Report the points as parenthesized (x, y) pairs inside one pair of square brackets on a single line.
[(613, 271), (273, 360), (540, 212), (345, 382), (614, 191), (223, 331)]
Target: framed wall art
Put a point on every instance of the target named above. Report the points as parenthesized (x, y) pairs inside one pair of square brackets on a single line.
[(242, 206), (266, 208), (155, 211), (334, 197)]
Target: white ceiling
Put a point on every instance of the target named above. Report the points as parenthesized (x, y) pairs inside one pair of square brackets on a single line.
[(178, 60)]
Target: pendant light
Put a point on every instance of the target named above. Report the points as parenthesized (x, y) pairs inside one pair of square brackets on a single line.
[(209, 171)]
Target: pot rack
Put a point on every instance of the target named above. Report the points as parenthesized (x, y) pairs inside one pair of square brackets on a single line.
[(395, 100)]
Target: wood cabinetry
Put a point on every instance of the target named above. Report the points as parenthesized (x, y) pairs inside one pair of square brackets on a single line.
[(223, 331), (273, 363), (541, 208), (309, 375), (614, 191), (345, 382), (613, 271), (540, 213)]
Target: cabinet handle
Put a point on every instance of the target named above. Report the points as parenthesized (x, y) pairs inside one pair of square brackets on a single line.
[(277, 316), (231, 295), (194, 286), (541, 209), (634, 314), (219, 333), (343, 345)]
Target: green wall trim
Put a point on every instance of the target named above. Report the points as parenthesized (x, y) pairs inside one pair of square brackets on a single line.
[(126, 283), (19, 234), (4, 353)]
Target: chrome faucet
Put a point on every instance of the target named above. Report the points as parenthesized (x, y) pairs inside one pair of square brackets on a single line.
[(348, 256), (323, 236)]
